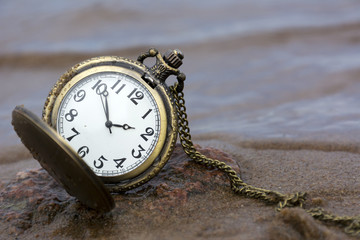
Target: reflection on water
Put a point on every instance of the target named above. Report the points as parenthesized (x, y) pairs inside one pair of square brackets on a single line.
[(255, 70)]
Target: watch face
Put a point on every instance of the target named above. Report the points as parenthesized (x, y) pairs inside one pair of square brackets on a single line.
[(113, 120)]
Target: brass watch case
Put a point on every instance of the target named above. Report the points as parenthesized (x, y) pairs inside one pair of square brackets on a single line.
[(161, 94)]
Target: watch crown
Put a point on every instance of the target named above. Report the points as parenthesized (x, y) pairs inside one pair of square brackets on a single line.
[(173, 58), (165, 65)]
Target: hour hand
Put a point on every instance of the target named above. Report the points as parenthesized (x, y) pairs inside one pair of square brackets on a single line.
[(124, 126)]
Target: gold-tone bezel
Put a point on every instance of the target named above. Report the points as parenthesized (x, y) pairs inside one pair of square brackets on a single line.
[(163, 121), (168, 122)]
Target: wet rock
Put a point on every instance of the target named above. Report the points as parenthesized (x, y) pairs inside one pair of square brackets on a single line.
[(35, 199), (33, 196), (181, 177), (184, 201)]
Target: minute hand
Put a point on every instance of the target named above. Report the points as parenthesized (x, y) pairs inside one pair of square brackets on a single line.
[(125, 126), (108, 123)]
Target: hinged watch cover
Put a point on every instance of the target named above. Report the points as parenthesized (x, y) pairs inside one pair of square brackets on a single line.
[(60, 160)]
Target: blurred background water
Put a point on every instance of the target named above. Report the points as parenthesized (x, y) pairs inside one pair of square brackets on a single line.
[(257, 71)]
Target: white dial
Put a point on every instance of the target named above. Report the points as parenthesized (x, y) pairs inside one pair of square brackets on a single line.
[(112, 120)]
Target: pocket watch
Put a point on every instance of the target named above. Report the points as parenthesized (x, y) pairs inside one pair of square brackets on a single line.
[(112, 113), (110, 124)]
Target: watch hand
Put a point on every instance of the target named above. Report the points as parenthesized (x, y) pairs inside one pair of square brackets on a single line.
[(125, 126), (108, 123), (106, 109)]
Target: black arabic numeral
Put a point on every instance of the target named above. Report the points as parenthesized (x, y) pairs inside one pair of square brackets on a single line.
[(71, 115), (138, 96), (139, 152), (99, 163), (146, 114), (96, 84), (71, 137), (119, 162), (100, 89), (149, 132), (83, 151), (114, 86), (79, 96)]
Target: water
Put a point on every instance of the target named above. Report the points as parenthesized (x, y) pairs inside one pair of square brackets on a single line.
[(266, 70), (42, 26)]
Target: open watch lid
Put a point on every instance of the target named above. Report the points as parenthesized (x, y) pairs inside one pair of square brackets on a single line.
[(57, 157)]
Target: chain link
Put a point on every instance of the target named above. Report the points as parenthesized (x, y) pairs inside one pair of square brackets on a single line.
[(351, 224)]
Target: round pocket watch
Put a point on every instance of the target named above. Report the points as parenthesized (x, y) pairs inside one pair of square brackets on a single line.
[(114, 114), (110, 124)]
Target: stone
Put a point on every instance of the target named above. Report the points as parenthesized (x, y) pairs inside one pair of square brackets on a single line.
[(34, 198)]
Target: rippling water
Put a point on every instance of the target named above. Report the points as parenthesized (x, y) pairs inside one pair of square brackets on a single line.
[(257, 71)]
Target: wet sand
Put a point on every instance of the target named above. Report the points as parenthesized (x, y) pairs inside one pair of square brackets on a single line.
[(275, 87)]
